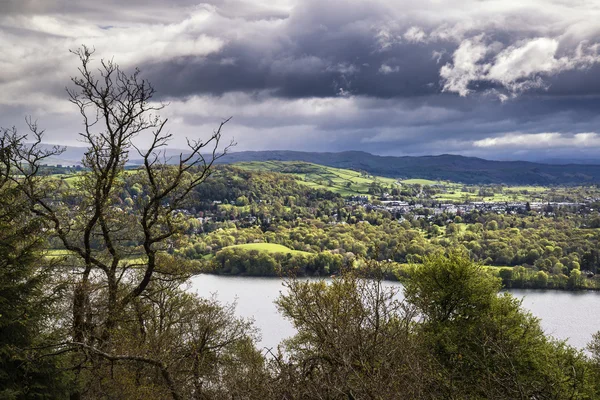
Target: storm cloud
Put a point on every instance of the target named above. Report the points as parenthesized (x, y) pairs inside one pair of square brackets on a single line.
[(496, 79)]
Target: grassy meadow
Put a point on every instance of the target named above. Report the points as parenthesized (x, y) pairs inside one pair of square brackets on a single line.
[(266, 247), (343, 181)]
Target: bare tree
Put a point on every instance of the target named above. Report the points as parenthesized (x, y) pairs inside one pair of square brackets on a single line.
[(354, 341), (117, 253)]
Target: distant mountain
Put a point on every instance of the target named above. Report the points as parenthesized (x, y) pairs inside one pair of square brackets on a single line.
[(72, 155), (562, 161), (445, 167)]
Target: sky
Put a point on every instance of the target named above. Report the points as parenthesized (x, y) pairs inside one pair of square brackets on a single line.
[(497, 79)]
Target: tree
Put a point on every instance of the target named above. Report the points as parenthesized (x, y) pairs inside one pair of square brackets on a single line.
[(107, 274), (541, 279), (354, 341), (484, 344), (506, 275), (452, 229), (241, 201), (25, 303), (450, 288), (492, 226), (575, 279), (199, 347)]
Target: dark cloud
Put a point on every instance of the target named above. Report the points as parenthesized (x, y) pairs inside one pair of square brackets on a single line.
[(390, 77), (323, 50), (302, 73), (576, 84)]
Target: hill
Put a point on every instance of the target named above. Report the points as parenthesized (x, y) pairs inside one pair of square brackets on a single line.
[(343, 181), (266, 247), (444, 167), (346, 182)]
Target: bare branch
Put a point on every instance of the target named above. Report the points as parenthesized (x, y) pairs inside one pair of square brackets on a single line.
[(158, 364)]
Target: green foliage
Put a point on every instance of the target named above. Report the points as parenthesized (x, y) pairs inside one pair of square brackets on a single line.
[(267, 247), (25, 305), (453, 337), (575, 279), (345, 182), (541, 279), (245, 187), (304, 219), (297, 216), (485, 344), (450, 288), (255, 261)]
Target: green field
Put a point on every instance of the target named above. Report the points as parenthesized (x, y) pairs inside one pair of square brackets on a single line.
[(60, 253), (453, 192), (419, 182), (53, 253), (74, 178), (268, 247), (343, 181)]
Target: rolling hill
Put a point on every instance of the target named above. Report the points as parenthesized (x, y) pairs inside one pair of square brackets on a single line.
[(343, 181), (444, 167)]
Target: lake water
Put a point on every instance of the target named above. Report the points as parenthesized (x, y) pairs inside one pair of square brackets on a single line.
[(565, 315)]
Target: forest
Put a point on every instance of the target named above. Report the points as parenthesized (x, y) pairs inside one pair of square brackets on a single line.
[(94, 260)]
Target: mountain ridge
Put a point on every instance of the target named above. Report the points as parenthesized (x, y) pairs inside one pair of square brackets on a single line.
[(451, 167), (457, 168)]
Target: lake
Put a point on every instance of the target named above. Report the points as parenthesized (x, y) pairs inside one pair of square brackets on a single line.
[(565, 315)]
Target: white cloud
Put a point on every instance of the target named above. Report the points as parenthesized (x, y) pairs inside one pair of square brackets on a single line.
[(415, 35), (437, 55), (526, 59), (517, 68), (386, 69), (386, 38), (132, 44), (545, 140), (37, 58), (466, 66)]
